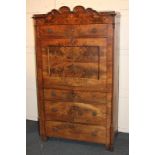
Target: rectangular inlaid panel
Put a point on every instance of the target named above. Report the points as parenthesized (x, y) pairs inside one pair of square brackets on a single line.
[(82, 62), (76, 131)]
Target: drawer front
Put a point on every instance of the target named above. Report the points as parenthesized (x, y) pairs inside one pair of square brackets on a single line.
[(98, 30), (94, 114), (74, 95), (76, 131)]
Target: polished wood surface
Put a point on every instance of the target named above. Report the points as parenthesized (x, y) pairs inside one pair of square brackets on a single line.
[(77, 74), (76, 112), (95, 30), (89, 133), (75, 96)]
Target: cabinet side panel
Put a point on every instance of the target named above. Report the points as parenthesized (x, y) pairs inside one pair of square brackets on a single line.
[(39, 82), (116, 75), (112, 81), (109, 82)]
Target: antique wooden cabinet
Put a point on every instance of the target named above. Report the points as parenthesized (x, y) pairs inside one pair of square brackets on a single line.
[(77, 74)]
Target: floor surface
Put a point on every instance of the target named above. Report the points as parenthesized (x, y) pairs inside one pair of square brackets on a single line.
[(55, 146)]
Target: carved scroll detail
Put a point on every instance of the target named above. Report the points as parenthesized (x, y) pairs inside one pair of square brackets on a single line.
[(79, 15)]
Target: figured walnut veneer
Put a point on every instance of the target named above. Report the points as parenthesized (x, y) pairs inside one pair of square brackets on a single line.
[(77, 74)]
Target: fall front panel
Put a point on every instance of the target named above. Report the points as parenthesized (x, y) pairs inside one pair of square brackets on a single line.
[(74, 65)]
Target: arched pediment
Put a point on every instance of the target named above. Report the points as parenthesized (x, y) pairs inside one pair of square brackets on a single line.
[(79, 15)]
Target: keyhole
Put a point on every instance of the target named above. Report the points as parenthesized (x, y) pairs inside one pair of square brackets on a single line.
[(49, 30)]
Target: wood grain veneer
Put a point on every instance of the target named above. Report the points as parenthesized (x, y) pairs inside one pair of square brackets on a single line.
[(77, 74)]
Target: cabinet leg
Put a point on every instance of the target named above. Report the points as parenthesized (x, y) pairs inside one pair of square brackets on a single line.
[(44, 138), (109, 147)]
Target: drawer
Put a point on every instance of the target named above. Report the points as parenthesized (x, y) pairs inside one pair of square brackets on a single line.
[(98, 30), (94, 114), (76, 131), (74, 95)]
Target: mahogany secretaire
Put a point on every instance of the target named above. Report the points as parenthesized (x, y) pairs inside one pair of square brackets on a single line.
[(77, 74)]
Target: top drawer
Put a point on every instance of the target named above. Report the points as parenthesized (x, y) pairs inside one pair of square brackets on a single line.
[(94, 30)]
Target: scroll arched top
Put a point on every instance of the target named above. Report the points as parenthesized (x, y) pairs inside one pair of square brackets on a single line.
[(79, 15)]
